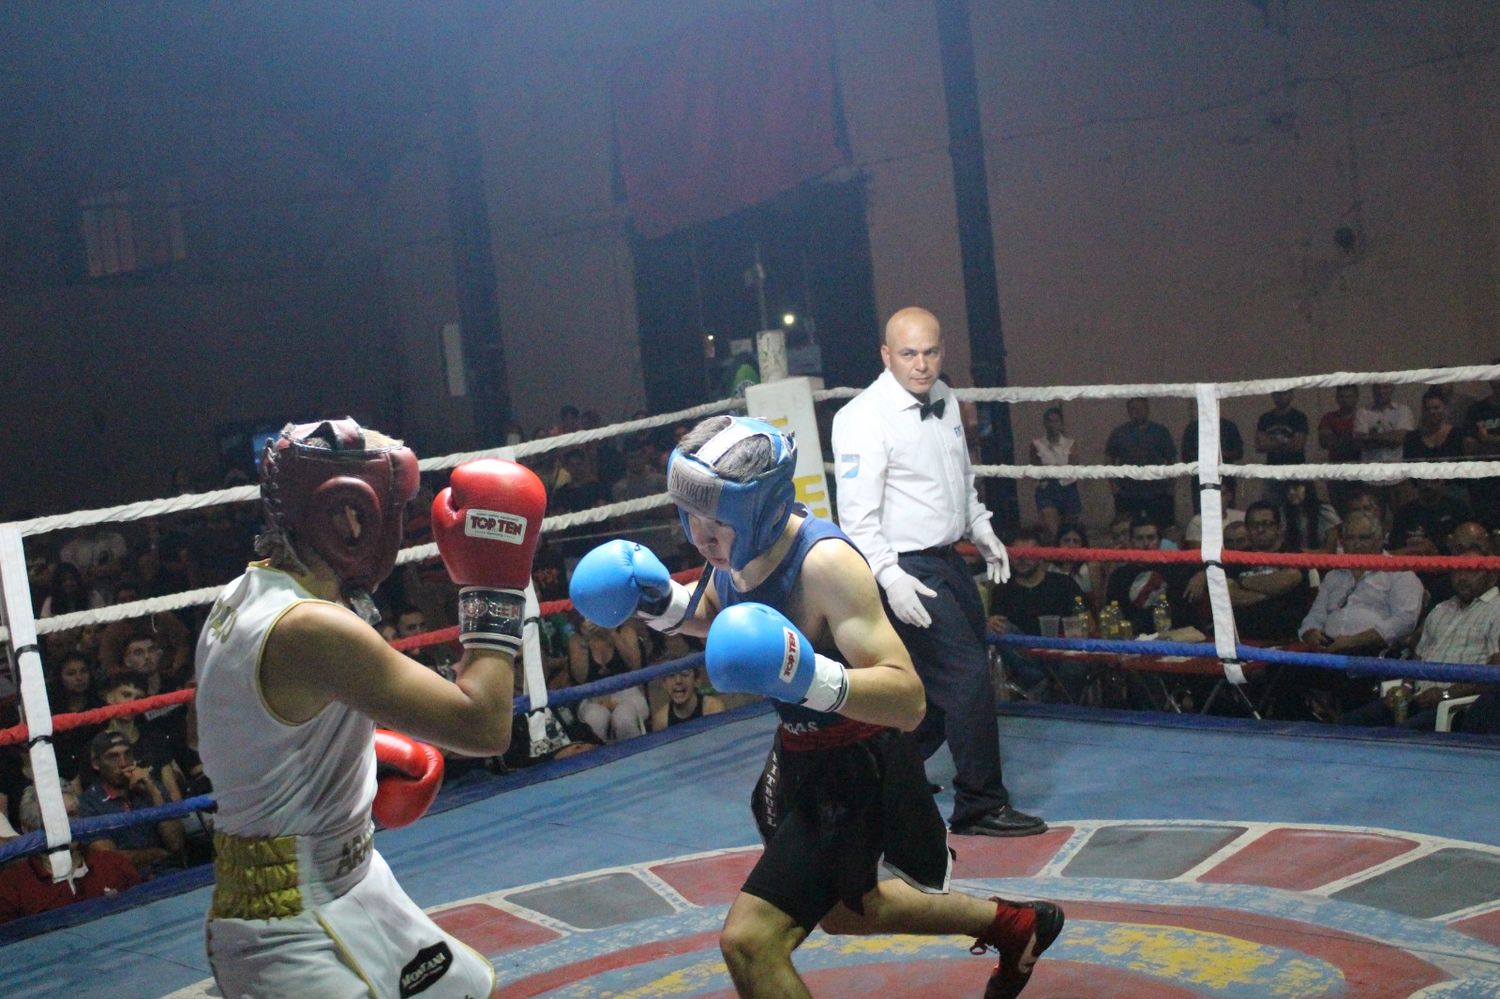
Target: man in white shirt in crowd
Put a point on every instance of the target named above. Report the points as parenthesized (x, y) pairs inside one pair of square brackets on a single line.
[(1380, 429), (905, 496), (1465, 628), (1361, 612)]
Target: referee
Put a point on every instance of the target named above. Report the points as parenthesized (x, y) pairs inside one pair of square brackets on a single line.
[(905, 495)]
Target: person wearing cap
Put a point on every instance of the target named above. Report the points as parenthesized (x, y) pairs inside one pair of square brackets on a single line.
[(124, 785)]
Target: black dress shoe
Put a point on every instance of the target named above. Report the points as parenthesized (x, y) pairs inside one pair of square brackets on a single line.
[(1003, 821), (934, 788)]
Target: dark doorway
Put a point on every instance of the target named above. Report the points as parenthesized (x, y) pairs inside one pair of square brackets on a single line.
[(814, 250)]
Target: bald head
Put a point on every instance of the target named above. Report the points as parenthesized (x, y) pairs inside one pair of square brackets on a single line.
[(1470, 538), (913, 350)]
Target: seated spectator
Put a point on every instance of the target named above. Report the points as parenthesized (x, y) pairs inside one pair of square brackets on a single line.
[(150, 743), (171, 635), (1017, 606), (1269, 602), (685, 700), (1192, 536), (1420, 525), (1088, 575), (1139, 588), (1361, 612), (1465, 628), (122, 785), (582, 490), (26, 885), (438, 657), (550, 733), (1305, 520), (1358, 498), (595, 653), (71, 689)]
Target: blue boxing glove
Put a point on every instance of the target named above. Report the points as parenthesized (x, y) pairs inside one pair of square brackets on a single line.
[(621, 578), (754, 649)]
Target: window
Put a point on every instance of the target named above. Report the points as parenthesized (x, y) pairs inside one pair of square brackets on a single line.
[(126, 231)]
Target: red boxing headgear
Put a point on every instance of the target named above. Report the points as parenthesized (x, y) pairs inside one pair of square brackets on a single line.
[(313, 471)]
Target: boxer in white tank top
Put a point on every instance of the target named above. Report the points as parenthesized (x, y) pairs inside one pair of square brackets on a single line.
[(292, 680)]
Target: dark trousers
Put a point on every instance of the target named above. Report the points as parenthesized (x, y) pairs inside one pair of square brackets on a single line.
[(952, 661)]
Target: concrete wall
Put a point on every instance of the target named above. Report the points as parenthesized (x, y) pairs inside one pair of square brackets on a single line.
[(1166, 182)]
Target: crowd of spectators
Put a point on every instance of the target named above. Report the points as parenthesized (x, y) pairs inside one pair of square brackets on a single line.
[(150, 758), (1351, 612)]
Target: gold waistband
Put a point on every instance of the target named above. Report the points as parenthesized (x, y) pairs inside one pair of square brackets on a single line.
[(260, 876)]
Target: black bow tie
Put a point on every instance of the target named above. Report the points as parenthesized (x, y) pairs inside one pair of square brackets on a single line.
[(933, 409)]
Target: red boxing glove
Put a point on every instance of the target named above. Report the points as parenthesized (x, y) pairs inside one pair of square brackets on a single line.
[(409, 774), (487, 524)]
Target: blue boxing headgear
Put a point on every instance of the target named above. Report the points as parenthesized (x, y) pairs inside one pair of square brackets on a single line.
[(757, 509)]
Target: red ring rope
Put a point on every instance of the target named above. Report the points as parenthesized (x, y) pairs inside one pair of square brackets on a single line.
[(1311, 560)]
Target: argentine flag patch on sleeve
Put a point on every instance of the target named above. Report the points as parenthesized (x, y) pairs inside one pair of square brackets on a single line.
[(848, 466)]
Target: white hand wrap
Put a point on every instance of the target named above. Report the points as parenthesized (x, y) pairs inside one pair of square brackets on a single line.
[(830, 685), (670, 618)]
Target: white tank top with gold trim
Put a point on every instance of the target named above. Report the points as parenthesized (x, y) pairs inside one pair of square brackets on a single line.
[(271, 777)]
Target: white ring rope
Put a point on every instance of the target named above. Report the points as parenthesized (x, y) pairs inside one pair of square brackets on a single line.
[(1188, 390)]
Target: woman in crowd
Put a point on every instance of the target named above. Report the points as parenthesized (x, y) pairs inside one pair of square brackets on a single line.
[(595, 653), (1057, 500), (1305, 519), (1088, 575)]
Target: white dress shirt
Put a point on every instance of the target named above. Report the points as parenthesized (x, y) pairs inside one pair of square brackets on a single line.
[(904, 483), (1388, 602)]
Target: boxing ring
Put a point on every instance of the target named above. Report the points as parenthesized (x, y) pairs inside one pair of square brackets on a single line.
[(1195, 855)]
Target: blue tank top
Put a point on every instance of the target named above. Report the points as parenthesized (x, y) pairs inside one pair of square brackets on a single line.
[(774, 591)]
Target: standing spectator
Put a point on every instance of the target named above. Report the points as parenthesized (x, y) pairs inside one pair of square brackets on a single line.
[(99, 554), (1138, 441), (1057, 500), (26, 886), (1336, 436), (1458, 403), (1281, 435), (123, 786), (1231, 450), (1482, 439), (595, 653), (1435, 438), (906, 495), (1380, 429), (1465, 628)]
